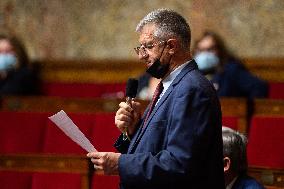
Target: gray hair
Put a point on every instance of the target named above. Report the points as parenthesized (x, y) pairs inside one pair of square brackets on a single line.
[(234, 147), (168, 24)]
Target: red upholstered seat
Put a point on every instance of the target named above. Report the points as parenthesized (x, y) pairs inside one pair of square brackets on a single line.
[(55, 140), (230, 121), (56, 181), (105, 133), (266, 142), (276, 90), (105, 182), (15, 180), (21, 132), (113, 90)]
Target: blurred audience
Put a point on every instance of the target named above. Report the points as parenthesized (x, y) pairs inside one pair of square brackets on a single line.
[(235, 161), (16, 75), (228, 74)]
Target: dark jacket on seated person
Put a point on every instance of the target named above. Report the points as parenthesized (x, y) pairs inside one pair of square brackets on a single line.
[(21, 81), (246, 182), (236, 81)]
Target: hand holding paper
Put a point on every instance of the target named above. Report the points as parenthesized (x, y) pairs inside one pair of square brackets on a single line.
[(62, 120)]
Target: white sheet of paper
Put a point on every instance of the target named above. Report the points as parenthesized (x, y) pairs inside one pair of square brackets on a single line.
[(62, 120)]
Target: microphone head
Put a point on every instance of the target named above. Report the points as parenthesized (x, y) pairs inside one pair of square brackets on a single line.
[(131, 87)]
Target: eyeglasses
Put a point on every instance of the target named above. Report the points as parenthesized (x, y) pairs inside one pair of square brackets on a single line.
[(142, 48)]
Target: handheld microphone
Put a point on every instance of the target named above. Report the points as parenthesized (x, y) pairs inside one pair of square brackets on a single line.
[(131, 91)]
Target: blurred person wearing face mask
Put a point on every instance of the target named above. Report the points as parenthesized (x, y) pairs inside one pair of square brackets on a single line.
[(227, 73), (16, 77)]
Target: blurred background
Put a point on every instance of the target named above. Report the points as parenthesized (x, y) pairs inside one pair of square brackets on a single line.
[(95, 29)]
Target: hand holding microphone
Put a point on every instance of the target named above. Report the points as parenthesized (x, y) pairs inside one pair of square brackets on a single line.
[(129, 112)]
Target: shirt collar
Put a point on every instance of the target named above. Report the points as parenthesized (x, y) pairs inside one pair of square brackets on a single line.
[(230, 186), (170, 78)]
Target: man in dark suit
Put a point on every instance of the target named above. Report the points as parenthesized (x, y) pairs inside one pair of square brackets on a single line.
[(235, 161), (177, 143)]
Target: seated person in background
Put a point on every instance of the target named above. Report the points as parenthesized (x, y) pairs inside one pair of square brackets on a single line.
[(146, 86), (235, 161), (227, 73), (16, 77)]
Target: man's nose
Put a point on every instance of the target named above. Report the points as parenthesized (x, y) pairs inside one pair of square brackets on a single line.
[(142, 56)]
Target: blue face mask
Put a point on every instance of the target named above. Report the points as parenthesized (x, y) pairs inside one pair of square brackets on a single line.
[(7, 61), (206, 61)]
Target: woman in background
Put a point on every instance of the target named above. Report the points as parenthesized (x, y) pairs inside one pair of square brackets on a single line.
[(16, 77), (227, 73)]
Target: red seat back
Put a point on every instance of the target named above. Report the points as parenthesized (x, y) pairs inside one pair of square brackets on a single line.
[(105, 182), (15, 180), (55, 140), (105, 132), (56, 181), (230, 121), (266, 142), (276, 90), (21, 132)]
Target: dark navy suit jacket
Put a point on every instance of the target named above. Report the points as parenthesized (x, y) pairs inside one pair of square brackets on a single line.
[(246, 182), (181, 145)]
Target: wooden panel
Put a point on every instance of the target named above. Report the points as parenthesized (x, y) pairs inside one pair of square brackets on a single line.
[(235, 107), (269, 69), (269, 107), (87, 71), (54, 104), (271, 178)]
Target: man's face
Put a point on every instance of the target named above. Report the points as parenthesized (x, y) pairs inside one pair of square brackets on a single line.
[(151, 48)]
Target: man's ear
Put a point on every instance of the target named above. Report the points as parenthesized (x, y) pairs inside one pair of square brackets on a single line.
[(172, 45), (227, 164)]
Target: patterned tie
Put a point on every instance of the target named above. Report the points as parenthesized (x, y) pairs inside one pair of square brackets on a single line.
[(155, 98)]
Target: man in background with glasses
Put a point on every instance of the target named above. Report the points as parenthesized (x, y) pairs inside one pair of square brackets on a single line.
[(177, 143)]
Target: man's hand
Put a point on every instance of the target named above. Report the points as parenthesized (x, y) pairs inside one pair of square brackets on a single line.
[(105, 161), (127, 117)]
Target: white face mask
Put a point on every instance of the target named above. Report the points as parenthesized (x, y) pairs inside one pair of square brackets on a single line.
[(206, 61), (7, 61)]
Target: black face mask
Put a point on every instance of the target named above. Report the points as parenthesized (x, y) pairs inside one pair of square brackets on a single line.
[(157, 69)]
